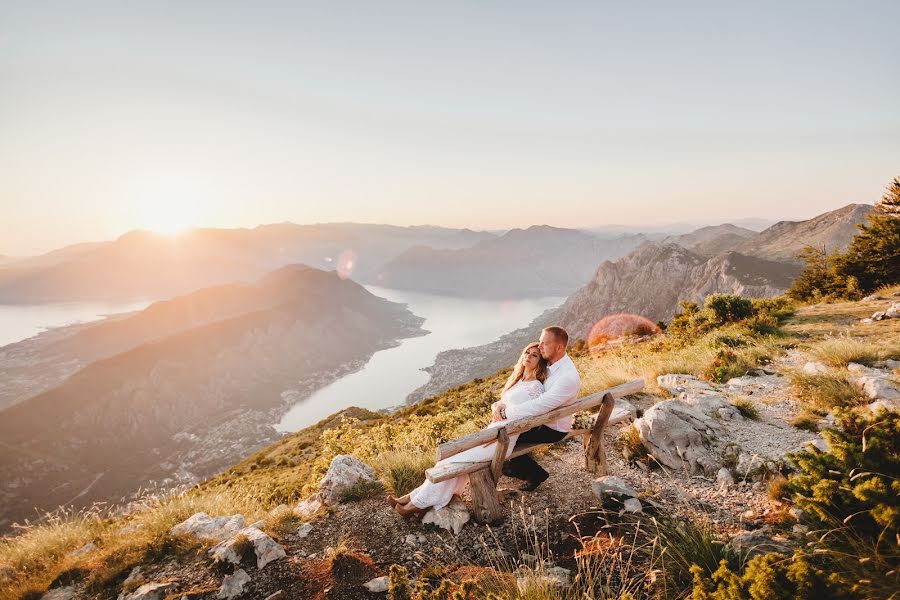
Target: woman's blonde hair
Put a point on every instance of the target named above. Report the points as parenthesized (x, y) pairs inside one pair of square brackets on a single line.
[(519, 370)]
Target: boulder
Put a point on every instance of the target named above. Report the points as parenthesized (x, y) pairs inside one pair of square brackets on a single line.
[(747, 544), (379, 585), (632, 505), (204, 527), (307, 509), (724, 479), (151, 591), (265, 548), (60, 593), (233, 585), (673, 433), (623, 412), (345, 472), (879, 388), (815, 368), (711, 404), (451, 517), (878, 316), (610, 485)]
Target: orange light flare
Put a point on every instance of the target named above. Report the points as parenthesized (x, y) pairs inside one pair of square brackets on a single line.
[(346, 264), (620, 327)]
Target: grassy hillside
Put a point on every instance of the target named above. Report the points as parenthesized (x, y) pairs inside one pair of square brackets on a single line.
[(401, 445)]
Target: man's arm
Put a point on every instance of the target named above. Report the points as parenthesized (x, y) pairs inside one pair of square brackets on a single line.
[(561, 393)]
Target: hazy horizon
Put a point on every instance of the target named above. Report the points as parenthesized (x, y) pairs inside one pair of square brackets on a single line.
[(118, 116)]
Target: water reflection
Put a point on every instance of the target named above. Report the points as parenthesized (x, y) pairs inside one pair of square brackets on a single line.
[(18, 322), (391, 374)]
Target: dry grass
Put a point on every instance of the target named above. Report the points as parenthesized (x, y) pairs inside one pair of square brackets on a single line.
[(403, 470), (843, 350), (825, 391), (806, 421), (747, 408)]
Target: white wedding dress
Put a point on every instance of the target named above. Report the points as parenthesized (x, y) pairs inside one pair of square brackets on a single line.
[(438, 495)]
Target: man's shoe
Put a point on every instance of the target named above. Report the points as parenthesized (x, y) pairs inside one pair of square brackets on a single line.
[(531, 485)]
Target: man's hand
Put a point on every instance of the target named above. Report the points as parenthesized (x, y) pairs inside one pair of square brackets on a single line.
[(495, 410)]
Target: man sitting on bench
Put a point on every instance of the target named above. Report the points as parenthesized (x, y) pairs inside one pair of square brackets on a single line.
[(560, 388)]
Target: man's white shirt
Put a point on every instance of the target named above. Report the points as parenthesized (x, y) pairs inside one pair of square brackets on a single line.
[(560, 388)]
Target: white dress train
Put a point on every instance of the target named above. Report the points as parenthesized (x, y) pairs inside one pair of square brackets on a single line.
[(438, 495)]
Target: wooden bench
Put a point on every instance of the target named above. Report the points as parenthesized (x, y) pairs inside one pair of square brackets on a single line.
[(483, 476)]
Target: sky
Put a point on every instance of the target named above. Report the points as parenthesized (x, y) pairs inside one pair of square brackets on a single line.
[(490, 114)]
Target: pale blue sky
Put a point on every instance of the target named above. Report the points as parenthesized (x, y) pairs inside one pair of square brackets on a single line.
[(116, 115)]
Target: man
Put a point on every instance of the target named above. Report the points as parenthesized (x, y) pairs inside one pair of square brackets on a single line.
[(560, 388)]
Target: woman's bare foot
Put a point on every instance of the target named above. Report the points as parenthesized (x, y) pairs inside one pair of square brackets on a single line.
[(395, 501), (405, 510)]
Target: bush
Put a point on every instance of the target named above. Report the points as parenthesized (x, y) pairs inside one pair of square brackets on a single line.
[(361, 490), (825, 391), (767, 576), (403, 470), (728, 308), (840, 351), (747, 409), (725, 365)]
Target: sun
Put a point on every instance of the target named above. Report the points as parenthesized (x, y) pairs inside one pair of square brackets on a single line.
[(168, 207)]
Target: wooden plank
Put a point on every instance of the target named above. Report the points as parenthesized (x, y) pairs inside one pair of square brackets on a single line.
[(500, 453), (595, 453), (483, 489), (446, 471), (518, 426)]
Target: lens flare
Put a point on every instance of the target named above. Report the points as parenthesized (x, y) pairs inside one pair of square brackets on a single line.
[(346, 263)]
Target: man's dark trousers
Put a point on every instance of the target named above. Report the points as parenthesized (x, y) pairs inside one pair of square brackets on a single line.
[(525, 467)]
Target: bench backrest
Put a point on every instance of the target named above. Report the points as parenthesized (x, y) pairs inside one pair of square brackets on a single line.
[(484, 436)]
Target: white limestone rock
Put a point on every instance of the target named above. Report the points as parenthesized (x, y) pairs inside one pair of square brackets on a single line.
[(379, 585), (879, 388), (204, 527), (307, 509), (893, 311), (151, 591), (233, 585), (632, 505), (673, 431), (304, 530), (724, 479), (60, 593), (452, 517), (345, 471), (888, 405), (623, 412), (611, 485), (678, 382), (815, 368), (265, 548), (711, 405), (747, 544)]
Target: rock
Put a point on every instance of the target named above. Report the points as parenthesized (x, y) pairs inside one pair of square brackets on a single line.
[(86, 549), (893, 312), (867, 320), (889, 405), (750, 466), (623, 412), (632, 505), (233, 585), (800, 529), (279, 512), (892, 364), (151, 591), (304, 530), (136, 573), (814, 368), (711, 404), (859, 369), (672, 432), (878, 316), (379, 585), (204, 527), (61, 593), (678, 382), (797, 513), (411, 540), (559, 574), (724, 479), (819, 443), (872, 298), (276, 596), (345, 472), (879, 388), (307, 509), (747, 544), (452, 517), (610, 485), (265, 548)]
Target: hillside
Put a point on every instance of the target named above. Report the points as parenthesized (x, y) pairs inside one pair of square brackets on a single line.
[(538, 261), (190, 388), (723, 507), (142, 264)]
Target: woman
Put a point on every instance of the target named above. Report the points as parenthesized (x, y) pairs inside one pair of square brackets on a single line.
[(525, 383)]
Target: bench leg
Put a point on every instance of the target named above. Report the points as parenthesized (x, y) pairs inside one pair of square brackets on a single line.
[(594, 452), (484, 496)]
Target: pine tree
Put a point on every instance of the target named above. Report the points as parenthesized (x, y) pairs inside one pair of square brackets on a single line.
[(873, 257)]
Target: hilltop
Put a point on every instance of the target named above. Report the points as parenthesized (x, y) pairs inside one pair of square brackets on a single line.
[(751, 383)]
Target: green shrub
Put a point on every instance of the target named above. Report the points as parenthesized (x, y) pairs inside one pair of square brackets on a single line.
[(766, 577), (725, 365), (728, 308)]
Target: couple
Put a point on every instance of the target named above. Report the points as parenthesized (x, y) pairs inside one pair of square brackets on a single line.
[(543, 379)]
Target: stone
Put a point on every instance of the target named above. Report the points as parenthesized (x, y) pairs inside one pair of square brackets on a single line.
[(878, 316), (233, 585), (304, 530), (893, 312), (879, 388), (796, 513), (711, 404), (279, 512), (678, 382), (86, 549), (411, 540), (623, 412), (747, 544), (673, 431), (307, 509), (866, 321), (889, 405), (724, 479), (344, 472), (204, 527), (814, 368), (632, 505), (859, 369), (379, 585), (610, 485), (751, 466), (800, 529), (559, 574), (135, 574), (872, 298), (151, 591), (451, 517), (60, 593), (819, 443), (892, 364), (265, 548)]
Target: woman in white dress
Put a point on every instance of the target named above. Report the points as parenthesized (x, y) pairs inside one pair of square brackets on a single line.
[(525, 383)]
